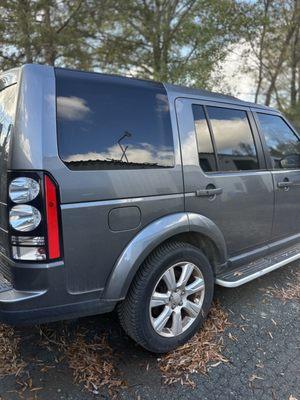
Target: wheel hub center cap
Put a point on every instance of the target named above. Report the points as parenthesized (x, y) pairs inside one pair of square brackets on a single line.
[(176, 298)]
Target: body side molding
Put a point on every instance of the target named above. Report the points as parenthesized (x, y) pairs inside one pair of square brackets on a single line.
[(148, 239)]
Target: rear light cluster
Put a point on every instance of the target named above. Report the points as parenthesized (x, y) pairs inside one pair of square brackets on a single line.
[(33, 216)]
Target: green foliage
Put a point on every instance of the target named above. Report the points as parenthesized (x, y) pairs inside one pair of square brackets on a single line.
[(44, 31), (178, 41), (174, 41), (275, 49)]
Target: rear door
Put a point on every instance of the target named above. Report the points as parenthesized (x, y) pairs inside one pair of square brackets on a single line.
[(282, 147), (225, 175)]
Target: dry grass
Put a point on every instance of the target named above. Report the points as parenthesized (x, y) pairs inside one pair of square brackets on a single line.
[(10, 361), (196, 355), (291, 291)]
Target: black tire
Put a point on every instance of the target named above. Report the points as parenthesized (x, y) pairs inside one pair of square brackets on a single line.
[(133, 311)]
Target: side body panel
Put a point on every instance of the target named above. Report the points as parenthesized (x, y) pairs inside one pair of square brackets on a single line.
[(244, 210), (152, 236), (92, 247)]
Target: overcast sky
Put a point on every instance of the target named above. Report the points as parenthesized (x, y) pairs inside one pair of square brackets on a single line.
[(239, 82)]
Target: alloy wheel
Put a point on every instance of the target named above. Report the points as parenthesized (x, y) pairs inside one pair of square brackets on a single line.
[(177, 299)]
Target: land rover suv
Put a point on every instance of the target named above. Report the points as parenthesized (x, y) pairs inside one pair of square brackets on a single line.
[(140, 196)]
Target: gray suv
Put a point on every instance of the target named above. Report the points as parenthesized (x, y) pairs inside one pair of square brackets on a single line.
[(136, 195)]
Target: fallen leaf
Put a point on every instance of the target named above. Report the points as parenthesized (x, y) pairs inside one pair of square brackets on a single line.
[(270, 334), (254, 376), (238, 273), (196, 355)]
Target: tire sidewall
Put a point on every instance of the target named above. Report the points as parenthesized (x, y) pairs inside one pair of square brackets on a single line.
[(188, 253)]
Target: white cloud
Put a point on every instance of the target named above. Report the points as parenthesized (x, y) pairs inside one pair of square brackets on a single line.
[(234, 76), (72, 108), (146, 153)]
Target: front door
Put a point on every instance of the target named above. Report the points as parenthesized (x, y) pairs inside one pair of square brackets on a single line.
[(224, 172), (282, 145)]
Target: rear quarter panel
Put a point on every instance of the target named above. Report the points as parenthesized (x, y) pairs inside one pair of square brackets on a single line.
[(90, 245)]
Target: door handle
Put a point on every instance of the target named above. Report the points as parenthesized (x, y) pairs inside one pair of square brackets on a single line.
[(208, 192), (285, 184)]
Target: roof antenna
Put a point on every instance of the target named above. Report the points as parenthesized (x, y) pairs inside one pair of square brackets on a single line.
[(124, 149)]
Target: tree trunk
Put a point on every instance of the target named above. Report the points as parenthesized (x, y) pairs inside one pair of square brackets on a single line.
[(294, 65), (261, 50), (279, 66), (294, 26), (50, 50), (298, 91), (24, 14)]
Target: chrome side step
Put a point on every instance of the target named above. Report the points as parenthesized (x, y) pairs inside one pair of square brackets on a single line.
[(246, 273)]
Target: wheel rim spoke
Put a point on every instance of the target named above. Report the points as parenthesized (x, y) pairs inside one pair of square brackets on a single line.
[(192, 309), (162, 319), (195, 286), (169, 278), (177, 299), (176, 328), (186, 273), (159, 299)]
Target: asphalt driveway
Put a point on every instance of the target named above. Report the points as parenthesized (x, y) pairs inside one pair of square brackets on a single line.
[(262, 346)]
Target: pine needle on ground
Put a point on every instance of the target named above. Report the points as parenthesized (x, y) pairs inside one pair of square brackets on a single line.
[(196, 355)]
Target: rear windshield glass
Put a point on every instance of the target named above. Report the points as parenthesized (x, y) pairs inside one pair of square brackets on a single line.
[(108, 122), (7, 115)]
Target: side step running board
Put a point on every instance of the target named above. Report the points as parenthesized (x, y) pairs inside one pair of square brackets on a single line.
[(246, 273)]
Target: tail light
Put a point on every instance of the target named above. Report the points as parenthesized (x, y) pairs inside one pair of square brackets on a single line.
[(33, 216), (52, 218)]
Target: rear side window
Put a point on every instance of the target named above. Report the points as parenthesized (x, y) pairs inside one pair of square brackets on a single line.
[(207, 159), (282, 142), (109, 122), (234, 140), (7, 113), (8, 98), (224, 138)]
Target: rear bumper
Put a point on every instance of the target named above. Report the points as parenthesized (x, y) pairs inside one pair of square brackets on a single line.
[(15, 316), (37, 293)]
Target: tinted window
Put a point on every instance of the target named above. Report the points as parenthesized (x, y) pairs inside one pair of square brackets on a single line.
[(233, 137), (107, 122), (7, 115), (207, 159), (282, 142)]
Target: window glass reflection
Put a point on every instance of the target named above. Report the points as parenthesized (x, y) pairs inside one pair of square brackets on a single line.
[(7, 111), (107, 122), (207, 159), (282, 142), (234, 141), (7, 116)]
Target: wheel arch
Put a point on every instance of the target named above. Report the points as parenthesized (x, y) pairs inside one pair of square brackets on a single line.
[(189, 227)]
